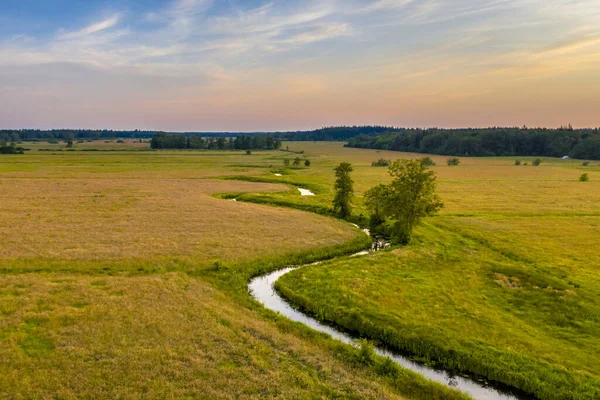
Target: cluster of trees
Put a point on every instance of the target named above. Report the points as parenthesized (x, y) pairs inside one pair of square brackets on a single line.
[(242, 142), (396, 208), (11, 149), (297, 162), (576, 143)]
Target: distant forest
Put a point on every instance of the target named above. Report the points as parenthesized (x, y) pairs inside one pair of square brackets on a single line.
[(576, 143), (242, 142), (19, 135), (341, 133), (566, 141), (335, 133)]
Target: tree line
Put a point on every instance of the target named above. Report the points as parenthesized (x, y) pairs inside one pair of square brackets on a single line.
[(335, 133), (26, 135), (242, 142), (565, 141)]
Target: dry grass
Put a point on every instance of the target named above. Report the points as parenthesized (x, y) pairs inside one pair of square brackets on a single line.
[(166, 336), (103, 219)]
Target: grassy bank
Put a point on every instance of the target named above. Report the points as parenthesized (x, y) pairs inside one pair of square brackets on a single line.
[(451, 299)]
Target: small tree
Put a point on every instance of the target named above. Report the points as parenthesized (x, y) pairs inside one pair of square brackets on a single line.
[(427, 161), (584, 178), (406, 200), (286, 162), (70, 144), (517, 162), (453, 161), (344, 190), (536, 162), (248, 152), (307, 163), (297, 161), (382, 162)]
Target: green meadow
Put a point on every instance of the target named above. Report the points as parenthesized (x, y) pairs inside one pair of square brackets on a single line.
[(124, 271), (502, 284)]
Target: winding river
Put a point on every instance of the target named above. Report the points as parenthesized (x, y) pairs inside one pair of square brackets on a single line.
[(261, 288)]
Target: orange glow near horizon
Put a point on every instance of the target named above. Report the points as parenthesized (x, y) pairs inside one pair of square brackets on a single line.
[(196, 65)]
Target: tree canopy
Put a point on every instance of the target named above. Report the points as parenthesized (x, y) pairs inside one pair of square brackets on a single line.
[(242, 142), (405, 201), (344, 190)]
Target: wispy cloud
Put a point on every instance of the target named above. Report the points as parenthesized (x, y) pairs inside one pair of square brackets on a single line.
[(91, 29)]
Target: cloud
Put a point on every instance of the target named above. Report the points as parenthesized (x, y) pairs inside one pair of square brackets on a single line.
[(91, 29)]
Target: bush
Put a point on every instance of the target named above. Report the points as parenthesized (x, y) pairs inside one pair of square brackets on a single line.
[(121, 141), (585, 163), (307, 163), (427, 161), (286, 162), (536, 162), (366, 352), (453, 161), (248, 153), (381, 163), (517, 162), (12, 149), (584, 178)]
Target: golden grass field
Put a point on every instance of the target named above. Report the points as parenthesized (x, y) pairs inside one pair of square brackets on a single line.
[(112, 218), (162, 336)]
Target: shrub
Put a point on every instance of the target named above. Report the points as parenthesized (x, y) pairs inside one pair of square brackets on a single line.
[(12, 149), (381, 163), (427, 161), (248, 153), (286, 162), (536, 162), (585, 163), (517, 162), (584, 178), (366, 352), (307, 163), (453, 161), (297, 161), (121, 141)]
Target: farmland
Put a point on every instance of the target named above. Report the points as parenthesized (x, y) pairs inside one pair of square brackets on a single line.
[(123, 274)]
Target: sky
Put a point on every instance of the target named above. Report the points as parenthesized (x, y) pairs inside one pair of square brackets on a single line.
[(256, 65)]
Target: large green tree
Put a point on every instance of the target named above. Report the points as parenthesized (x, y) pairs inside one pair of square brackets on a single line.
[(406, 200), (344, 190)]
